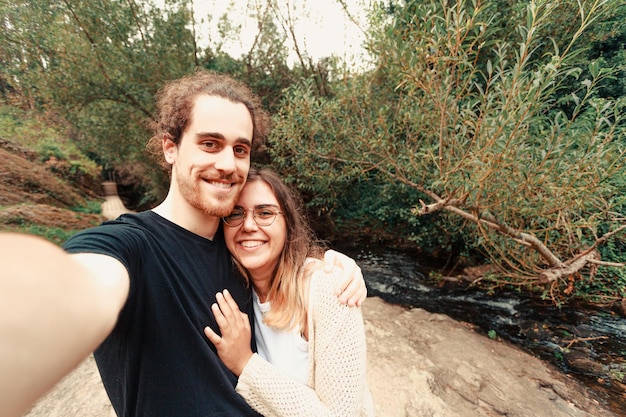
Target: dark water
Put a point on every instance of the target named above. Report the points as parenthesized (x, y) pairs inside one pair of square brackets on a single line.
[(587, 344)]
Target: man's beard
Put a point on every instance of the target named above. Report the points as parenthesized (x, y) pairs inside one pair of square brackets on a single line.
[(223, 207), (212, 205)]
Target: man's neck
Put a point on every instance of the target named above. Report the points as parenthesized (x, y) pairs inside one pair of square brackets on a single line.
[(188, 217)]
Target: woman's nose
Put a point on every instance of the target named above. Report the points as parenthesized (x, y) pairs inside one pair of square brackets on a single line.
[(248, 221)]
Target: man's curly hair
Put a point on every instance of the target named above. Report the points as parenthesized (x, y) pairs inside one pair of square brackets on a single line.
[(175, 100)]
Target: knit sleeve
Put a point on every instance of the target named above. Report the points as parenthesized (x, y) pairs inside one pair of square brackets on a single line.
[(337, 383)]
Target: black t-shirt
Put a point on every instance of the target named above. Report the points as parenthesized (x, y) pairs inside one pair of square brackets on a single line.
[(157, 361)]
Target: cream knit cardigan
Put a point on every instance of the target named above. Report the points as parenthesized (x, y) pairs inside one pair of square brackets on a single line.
[(337, 364)]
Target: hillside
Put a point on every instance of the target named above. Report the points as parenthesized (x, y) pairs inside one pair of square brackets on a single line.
[(32, 194)]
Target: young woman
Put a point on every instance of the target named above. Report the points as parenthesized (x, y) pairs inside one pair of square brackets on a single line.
[(311, 358)]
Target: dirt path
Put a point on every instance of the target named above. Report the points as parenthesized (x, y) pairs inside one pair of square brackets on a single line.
[(80, 394), (420, 365)]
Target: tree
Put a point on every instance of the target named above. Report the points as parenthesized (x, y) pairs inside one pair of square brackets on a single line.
[(474, 125), (97, 65)]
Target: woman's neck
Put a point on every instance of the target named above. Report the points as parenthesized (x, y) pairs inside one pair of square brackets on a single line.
[(261, 287)]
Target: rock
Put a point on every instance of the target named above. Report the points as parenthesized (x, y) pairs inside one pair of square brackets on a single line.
[(581, 361), (423, 364), (419, 365)]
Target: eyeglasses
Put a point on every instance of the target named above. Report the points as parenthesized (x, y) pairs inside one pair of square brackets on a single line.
[(263, 216)]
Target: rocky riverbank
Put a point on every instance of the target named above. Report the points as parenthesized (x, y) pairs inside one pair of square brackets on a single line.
[(420, 365)]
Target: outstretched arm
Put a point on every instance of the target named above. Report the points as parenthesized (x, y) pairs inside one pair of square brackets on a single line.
[(54, 311)]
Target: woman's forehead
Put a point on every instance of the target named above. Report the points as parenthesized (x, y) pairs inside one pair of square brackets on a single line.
[(257, 193)]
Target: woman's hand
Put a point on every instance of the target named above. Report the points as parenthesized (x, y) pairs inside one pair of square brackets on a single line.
[(233, 347)]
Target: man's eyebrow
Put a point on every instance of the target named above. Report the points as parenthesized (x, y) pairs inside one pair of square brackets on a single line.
[(245, 141), (217, 135)]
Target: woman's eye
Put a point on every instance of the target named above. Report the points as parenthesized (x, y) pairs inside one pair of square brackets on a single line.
[(264, 213), (235, 215)]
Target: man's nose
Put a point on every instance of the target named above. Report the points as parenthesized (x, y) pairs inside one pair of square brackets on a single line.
[(226, 161)]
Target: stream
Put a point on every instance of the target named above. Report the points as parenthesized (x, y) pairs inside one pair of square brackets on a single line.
[(588, 344)]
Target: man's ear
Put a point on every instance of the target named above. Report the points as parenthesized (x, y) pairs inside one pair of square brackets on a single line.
[(169, 149)]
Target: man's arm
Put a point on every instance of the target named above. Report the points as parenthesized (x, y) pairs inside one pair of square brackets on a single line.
[(55, 309)]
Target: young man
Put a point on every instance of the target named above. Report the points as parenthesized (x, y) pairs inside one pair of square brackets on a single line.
[(139, 289)]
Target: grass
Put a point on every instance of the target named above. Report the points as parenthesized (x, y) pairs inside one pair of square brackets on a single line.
[(90, 207), (55, 235)]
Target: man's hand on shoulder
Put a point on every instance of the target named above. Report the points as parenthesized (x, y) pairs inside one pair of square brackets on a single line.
[(351, 290)]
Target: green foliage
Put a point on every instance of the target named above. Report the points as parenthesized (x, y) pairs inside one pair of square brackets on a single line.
[(489, 130), (48, 149), (618, 372), (25, 128), (558, 356), (378, 209), (379, 202), (607, 284)]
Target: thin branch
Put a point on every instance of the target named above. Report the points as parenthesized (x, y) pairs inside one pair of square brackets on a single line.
[(344, 6), (193, 30), (101, 66), (131, 5), (584, 339), (605, 263), (606, 236)]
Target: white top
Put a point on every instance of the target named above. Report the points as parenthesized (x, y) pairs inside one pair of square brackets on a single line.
[(285, 349)]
